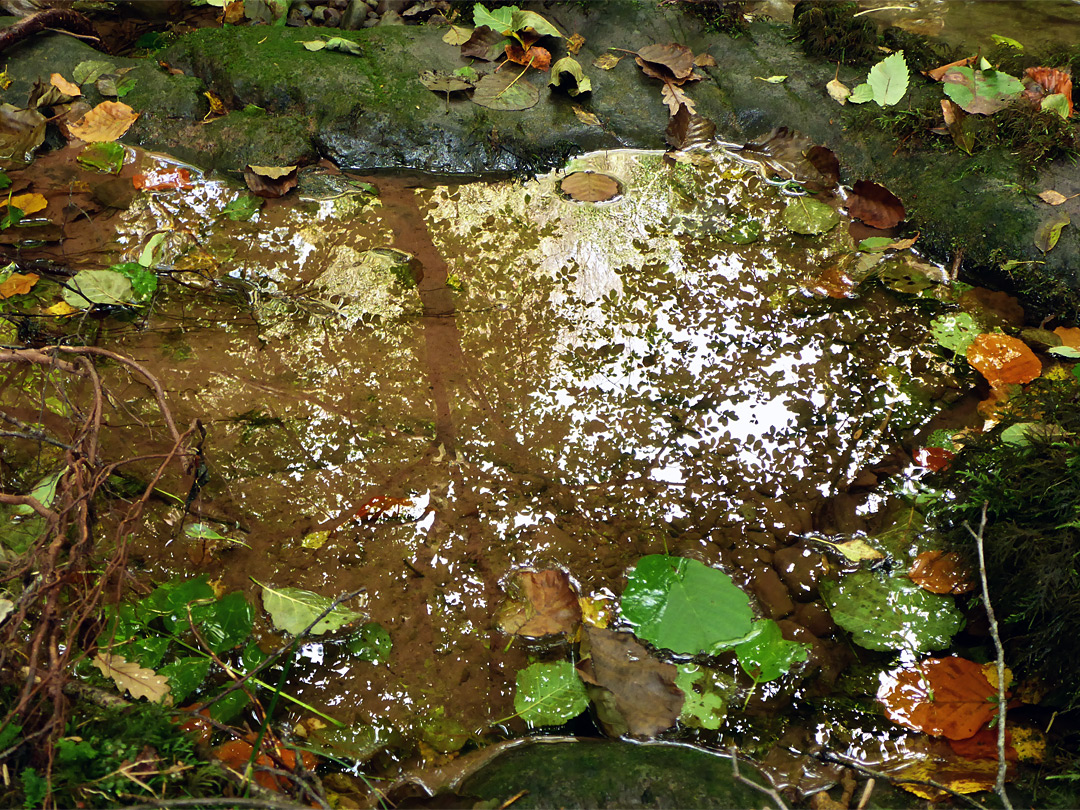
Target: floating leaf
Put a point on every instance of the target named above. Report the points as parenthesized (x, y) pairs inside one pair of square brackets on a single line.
[(942, 572), (891, 612), (684, 605), (293, 609), (707, 693), (809, 217), (540, 603), (203, 531), (147, 254), (590, 187), (372, 643), (944, 697), (875, 205), (980, 92), (106, 122), (855, 550), (567, 75), (165, 179), (242, 208), (767, 655), (504, 91), (838, 91), (743, 231), (98, 287), (955, 331), (549, 694), (1003, 360), (1049, 232), (138, 681), (886, 83), (17, 284), (102, 157)]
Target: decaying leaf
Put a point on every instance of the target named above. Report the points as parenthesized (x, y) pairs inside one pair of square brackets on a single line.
[(21, 133), (686, 130), (567, 75), (875, 205), (484, 44), (505, 91), (956, 125), (644, 691), (540, 603), (942, 572), (106, 122), (138, 681), (790, 155), (457, 35), (439, 81), (980, 92), (838, 91), (937, 73), (1003, 360), (1042, 82), (574, 43), (606, 61), (534, 56), (1047, 234), (704, 60), (944, 697), (586, 117), (271, 181), (590, 187), (670, 62), (17, 284), (64, 86), (1053, 197), (675, 98)]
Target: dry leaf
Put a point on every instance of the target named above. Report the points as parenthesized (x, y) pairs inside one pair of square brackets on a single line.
[(106, 122), (704, 60), (838, 91), (938, 72), (1053, 197), (541, 603), (29, 203), (17, 284), (586, 117), (934, 459), (1044, 81), (1070, 336), (945, 697), (668, 62), (234, 12), (574, 43), (271, 181), (484, 44), (64, 86), (685, 131), (875, 205), (60, 309), (942, 572), (217, 106), (675, 98), (139, 681), (1003, 360), (589, 187), (534, 57), (457, 35), (606, 61)]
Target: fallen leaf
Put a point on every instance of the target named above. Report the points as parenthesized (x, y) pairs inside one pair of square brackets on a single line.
[(1070, 336), (934, 459), (937, 73), (17, 284), (504, 91), (1040, 82), (790, 155), (438, 81), (29, 203), (457, 35), (590, 187), (704, 60), (163, 179), (568, 75), (606, 61), (1003, 360), (944, 697), (484, 44), (234, 12), (809, 217), (574, 43), (942, 572), (106, 122), (855, 550), (772, 79), (535, 57), (1053, 197), (549, 694), (586, 117), (675, 98), (540, 603), (217, 106), (955, 123), (644, 691), (984, 745), (981, 92), (64, 86), (875, 205), (138, 681), (686, 130), (1049, 232), (960, 775), (292, 610), (670, 62), (838, 91), (61, 309), (271, 181), (21, 133)]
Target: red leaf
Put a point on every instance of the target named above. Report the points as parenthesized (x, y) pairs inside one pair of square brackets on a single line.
[(1044, 81), (945, 697), (934, 459), (875, 205), (163, 180), (535, 56)]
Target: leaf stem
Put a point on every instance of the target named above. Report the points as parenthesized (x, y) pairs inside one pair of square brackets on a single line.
[(517, 77)]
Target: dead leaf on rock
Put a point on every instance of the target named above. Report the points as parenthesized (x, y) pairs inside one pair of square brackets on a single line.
[(439, 81), (484, 44), (21, 133), (704, 60), (138, 681), (606, 61), (457, 35), (64, 86), (590, 187), (838, 91), (17, 284), (1003, 360), (534, 57), (1054, 197), (875, 205), (105, 123), (670, 62), (1043, 81), (942, 572), (676, 98), (271, 181), (574, 43), (644, 690), (586, 117), (686, 130), (541, 603), (945, 697)]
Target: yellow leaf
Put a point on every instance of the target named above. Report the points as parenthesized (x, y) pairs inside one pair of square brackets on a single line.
[(64, 86), (586, 117), (574, 43), (607, 61), (838, 91), (29, 203), (1053, 197), (105, 123), (138, 681), (17, 284), (217, 106), (990, 671), (61, 308), (457, 35), (1029, 743), (273, 172), (315, 539)]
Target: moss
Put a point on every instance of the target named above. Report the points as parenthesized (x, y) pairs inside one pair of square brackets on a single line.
[(830, 30)]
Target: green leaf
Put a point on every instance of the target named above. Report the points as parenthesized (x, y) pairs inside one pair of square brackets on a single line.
[(203, 531), (251, 656), (1012, 43), (549, 694), (888, 80), (242, 208), (743, 231), (103, 157), (314, 44), (147, 257), (980, 91), (13, 216), (875, 244), (707, 693), (342, 45), (228, 707), (530, 19), (185, 676), (371, 643), (1056, 102), (146, 651), (5, 181), (225, 623), (861, 94), (292, 610), (505, 91), (767, 655), (500, 20), (170, 600), (44, 492), (143, 281), (1068, 352), (88, 71), (17, 537), (891, 612), (468, 74), (1049, 232), (955, 331), (684, 605), (809, 217), (572, 68), (89, 287)]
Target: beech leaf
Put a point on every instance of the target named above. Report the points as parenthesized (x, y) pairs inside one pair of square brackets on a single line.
[(1003, 359), (293, 609), (105, 122), (505, 91), (567, 75), (809, 217), (944, 697), (590, 187), (886, 83), (98, 287)]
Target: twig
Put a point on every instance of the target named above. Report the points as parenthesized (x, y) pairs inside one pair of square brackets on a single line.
[(999, 785), (770, 792), (865, 798)]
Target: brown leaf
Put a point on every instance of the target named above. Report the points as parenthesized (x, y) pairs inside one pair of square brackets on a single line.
[(17, 284), (675, 98), (574, 43), (105, 123), (1070, 336), (606, 61), (535, 56), (21, 133), (484, 44), (993, 307), (955, 119), (1003, 360), (945, 697), (590, 187), (942, 572), (138, 681), (825, 161), (64, 86), (686, 130), (984, 745), (644, 690), (586, 117), (669, 62), (234, 12), (439, 81), (791, 155), (541, 603), (704, 60), (937, 73), (165, 179), (934, 459), (875, 205), (1053, 197), (1044, 81), (271, 181)]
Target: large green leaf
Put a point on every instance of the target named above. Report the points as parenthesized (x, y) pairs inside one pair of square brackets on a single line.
[(97, 287), (500, 19), (293, 609), (955, 331), (809, 217), (886, 83), (530, 19), (981, 92), (549, 694), (684, 605), (891, 612), (225, 623), (44, 492), (170, 600), (767, 655)]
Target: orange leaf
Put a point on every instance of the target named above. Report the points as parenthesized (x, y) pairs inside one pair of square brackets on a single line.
[(29, 203), (945, 697), (17, 284), (984, 745), (535, 56), (934, 459), (942, 572), (237, 753), (1070, 336), (938, 72), (382, 506), (106, 122), (541, 603), (163, 180), (64, 86), (1044, 81), (1003, 360)]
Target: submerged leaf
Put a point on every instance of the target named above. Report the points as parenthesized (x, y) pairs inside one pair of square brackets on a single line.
[(590, 187), (809, 217), (942, 572), (1003, 360), (138, 681), (549, 694), (944, 697), (540, 603), (875, 205), (103, 157), (293, 609), (98, 287), (767, 655)]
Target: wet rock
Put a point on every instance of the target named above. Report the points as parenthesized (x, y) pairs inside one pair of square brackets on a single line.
[(781, 519), (801, 569), (355, 14), (774, 597), (815, 617), (761, 540)]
